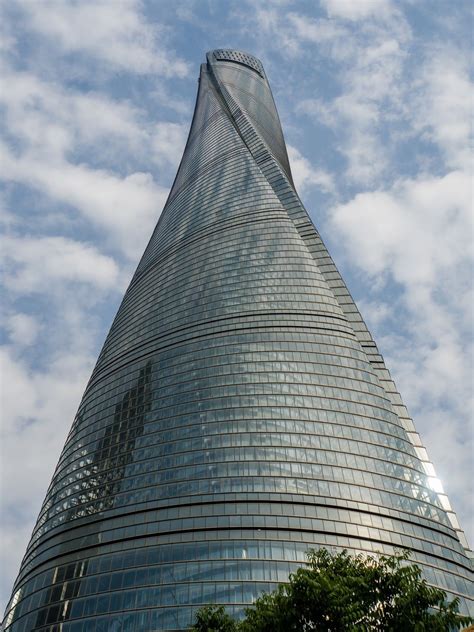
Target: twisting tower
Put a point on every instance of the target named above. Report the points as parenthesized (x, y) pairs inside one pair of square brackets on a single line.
[(239, 412)]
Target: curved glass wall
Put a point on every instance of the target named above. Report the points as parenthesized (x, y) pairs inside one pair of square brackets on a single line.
[(238, 414)]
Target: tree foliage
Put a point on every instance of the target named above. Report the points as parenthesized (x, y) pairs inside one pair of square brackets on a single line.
[(213, 619), (339, 593)]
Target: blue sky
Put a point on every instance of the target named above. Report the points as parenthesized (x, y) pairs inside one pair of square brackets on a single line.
[(97, 99)]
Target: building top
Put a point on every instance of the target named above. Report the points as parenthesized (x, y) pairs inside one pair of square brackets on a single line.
[(239, 57)]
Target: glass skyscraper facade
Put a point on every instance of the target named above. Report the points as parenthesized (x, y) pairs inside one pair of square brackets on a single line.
[(239, 412)]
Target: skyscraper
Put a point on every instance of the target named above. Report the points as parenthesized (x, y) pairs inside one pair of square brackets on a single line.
[(239, 412)]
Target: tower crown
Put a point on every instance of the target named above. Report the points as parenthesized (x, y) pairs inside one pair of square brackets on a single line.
[(239, 57)]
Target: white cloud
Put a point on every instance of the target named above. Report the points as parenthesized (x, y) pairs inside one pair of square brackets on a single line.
[(165, 98), (115, 33), (54, 120), (22, 329), (443, 104), (168, 142), (306, 176), (356, 121), (49, 123), (269, 22), (318, 31), (413, 231), (7, 39), (37, 264), (357, 9), (370, 61), (125, 207), (7, 218)]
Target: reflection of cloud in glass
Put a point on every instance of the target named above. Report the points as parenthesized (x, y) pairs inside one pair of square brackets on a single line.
[(115, 449), (100, 482)]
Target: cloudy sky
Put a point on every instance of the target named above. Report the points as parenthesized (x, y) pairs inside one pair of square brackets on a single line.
[(97, 99)]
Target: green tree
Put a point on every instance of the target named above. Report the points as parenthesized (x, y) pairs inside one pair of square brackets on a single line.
[(213, 619), (342, 593)]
